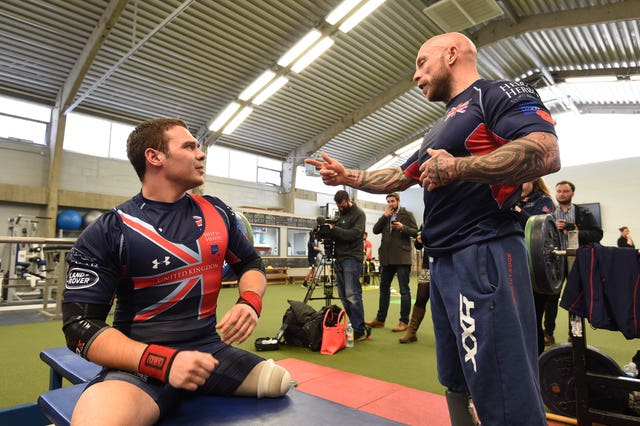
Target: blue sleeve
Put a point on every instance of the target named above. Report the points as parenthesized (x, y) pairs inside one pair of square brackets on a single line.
[(513, 110), (95, 262)]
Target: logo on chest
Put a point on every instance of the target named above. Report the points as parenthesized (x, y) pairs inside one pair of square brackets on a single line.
[(157, 262), (458, 109)]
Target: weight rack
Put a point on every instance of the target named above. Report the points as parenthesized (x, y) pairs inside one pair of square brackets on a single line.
[(585, 415)]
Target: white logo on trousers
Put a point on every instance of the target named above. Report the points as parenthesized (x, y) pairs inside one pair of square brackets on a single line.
[(468, 324)]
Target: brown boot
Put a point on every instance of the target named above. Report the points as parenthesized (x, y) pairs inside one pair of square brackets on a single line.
[(416, 318)]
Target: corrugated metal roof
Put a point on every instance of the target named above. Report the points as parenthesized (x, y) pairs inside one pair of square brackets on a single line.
[(192, 58)]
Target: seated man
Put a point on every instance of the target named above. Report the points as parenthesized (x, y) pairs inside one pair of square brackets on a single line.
[(160, 255)]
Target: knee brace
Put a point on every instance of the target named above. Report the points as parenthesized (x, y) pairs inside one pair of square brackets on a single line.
[(273, 381), (461, 411)]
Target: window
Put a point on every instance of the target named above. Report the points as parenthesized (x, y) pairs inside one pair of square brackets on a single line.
[(266, 240), (23, 120), (96, 136), (118, 140), (244, 166), (218, 161), (297, 242)]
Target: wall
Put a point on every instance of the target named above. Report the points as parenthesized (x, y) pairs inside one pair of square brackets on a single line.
[(614, 184), (25, 172)]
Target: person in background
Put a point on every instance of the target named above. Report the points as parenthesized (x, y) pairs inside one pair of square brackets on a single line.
[(625, 238), (535, 200), (569, 217), (422, 295), (368, 266), (494, 136), (347, 232), (313, 249), (159, 256), (397, 226)]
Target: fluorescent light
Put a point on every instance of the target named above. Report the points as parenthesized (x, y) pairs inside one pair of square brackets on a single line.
[(299, 48), (634, 77), (312, 54), (257, 85), (270, 90), (341, 11), (380, 164), (239, 118), (592, 79), (224, 116), (360, 14)]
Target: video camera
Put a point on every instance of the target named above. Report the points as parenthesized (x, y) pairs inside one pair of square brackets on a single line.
[(323, 230)]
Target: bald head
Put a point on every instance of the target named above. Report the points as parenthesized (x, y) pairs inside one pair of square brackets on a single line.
[(459, 41), (446, 65)]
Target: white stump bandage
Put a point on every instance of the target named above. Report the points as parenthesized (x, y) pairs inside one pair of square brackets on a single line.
[(274, 381)]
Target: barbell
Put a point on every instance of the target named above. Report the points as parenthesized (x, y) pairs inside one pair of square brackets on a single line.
[(547, 258)]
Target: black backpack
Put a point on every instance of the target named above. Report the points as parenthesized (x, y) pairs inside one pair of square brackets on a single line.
[(302, 325)]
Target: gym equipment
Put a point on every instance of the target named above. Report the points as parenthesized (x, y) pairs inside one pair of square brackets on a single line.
[(546, 260), (29, 261), (294, 408), (558, 387), (69, 220), (90, 217)]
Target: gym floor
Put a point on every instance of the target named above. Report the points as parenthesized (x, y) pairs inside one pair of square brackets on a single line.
[(381, 360)]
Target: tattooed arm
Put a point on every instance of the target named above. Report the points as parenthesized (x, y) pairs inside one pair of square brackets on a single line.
[(376, 182), (518, 161)]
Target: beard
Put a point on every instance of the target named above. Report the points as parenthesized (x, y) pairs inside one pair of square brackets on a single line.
[(440, 85)]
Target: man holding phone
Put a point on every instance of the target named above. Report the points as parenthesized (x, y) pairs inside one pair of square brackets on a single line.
[(397, 225), (569, 217)]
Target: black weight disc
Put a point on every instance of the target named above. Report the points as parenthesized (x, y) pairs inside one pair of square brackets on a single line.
[(557, 381), (547, 268)]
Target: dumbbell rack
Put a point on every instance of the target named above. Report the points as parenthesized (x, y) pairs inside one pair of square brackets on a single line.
[(584, 414)]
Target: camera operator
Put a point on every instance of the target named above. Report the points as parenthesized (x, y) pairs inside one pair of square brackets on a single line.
[(347, 232)]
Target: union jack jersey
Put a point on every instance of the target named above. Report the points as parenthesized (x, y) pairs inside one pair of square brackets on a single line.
[(163, 262), (482, 118)]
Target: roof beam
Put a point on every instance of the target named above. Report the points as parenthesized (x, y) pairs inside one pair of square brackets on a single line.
[(496, 31), (104, 25), (625, 10)]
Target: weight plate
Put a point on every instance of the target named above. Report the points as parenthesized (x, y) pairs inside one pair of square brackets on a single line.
[(547, 268), (557, 381)]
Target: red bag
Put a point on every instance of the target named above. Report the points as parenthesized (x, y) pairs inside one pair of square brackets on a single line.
[(334, 335)]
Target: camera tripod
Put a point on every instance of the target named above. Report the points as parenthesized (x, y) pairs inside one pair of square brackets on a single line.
[(324, 274)]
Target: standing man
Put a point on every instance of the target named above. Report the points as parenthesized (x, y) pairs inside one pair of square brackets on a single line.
[(159, 255), (347, 234), (397, 225), (569, 217), (494, 136)]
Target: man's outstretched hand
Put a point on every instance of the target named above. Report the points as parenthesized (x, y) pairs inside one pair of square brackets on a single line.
[(332, 171)]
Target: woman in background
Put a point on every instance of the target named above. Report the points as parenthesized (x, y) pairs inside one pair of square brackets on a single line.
[(625, 238), (422, 295), (535, 199)]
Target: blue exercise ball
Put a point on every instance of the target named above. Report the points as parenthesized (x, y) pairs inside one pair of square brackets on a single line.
[(69, 220)]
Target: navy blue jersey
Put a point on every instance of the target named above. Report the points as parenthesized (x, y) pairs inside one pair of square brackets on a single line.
[(479, 120), (163, 262)]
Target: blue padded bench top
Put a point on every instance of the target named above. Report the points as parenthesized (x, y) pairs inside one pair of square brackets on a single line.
[(294, 408), (69, 365)]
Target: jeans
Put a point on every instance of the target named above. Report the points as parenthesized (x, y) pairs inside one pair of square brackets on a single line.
[(386, 276), (350, 291)]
